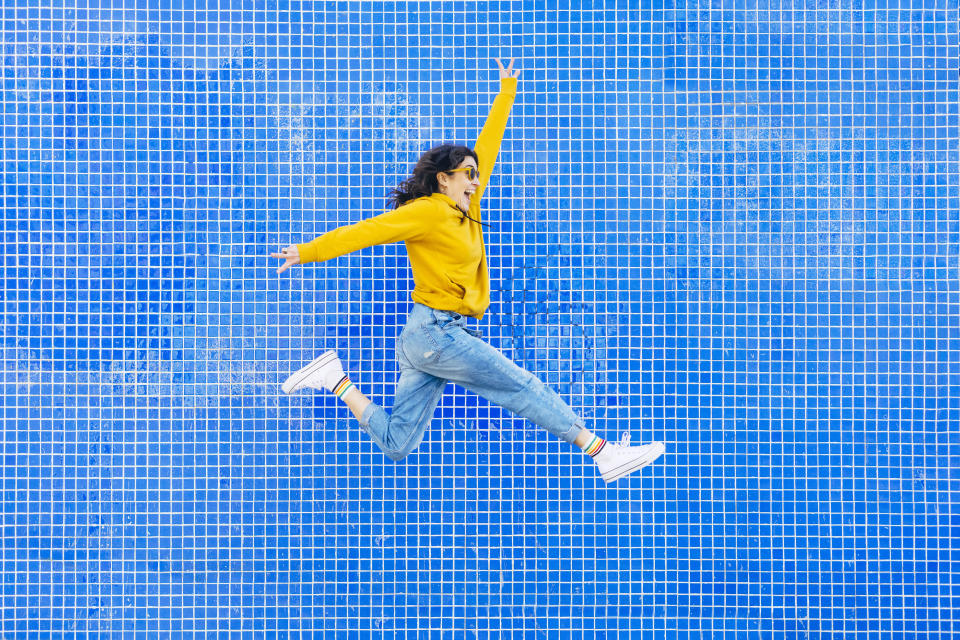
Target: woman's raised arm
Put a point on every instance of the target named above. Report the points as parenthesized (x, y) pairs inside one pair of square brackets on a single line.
[(488, 142)]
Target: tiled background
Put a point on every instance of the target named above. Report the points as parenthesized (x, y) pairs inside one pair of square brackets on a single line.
[(732, 226)]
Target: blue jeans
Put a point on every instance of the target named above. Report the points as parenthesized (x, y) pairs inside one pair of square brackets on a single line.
[(436, 347)]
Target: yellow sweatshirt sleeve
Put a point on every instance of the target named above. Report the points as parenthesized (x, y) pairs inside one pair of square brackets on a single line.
[(403, 223), (488, 142)]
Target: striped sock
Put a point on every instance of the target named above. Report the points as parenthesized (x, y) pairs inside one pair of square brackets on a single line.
[(342, 387), (595, 446)]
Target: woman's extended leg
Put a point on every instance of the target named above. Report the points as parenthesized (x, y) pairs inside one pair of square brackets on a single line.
[(488, 373), (463, 358), (452, 352)]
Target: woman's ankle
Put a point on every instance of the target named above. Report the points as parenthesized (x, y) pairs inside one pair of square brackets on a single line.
[(356, 401), (583, 438)]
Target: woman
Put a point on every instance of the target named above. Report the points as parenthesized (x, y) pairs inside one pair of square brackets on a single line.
[(437, 214)]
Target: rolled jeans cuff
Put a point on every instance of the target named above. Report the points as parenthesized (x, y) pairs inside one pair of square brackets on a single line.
[(368, 414), (570, 435)]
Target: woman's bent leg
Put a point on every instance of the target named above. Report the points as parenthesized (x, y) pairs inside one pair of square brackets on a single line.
[(399, 432)]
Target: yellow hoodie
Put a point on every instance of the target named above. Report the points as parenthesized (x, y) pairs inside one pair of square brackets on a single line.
[(446, 250)]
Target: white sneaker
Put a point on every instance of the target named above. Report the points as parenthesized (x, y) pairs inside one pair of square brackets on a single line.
[(324, 372), (618, 459)]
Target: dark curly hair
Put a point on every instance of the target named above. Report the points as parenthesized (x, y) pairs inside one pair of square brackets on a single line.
[(423, 182)]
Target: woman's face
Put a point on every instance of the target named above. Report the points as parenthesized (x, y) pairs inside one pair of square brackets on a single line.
[(458, 185)]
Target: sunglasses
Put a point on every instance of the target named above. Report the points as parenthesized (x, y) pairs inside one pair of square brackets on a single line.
[(472, 173)]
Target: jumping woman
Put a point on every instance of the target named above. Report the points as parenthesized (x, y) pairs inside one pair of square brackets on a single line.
[(437, 215)]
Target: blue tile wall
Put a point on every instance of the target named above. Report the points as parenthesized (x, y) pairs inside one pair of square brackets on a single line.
[(730, 226)]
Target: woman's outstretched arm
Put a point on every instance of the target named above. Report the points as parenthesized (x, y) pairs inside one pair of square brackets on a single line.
[(488, 142), (403, 223)]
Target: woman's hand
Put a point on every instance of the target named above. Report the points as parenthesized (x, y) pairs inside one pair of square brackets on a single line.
[(292, 256), (508, 72)]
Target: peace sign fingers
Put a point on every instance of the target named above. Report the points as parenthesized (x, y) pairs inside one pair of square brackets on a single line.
[(508, 72)]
